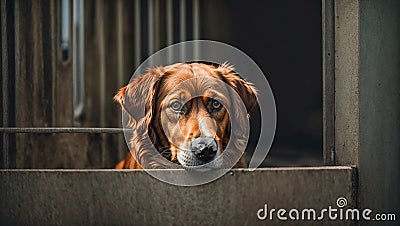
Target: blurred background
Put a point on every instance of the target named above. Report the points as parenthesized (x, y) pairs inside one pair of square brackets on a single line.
[(64, 60)]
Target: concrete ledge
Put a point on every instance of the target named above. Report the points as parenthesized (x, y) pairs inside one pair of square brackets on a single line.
[(109, 197)]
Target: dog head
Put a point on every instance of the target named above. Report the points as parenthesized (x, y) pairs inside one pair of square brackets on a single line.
[(185, 109)]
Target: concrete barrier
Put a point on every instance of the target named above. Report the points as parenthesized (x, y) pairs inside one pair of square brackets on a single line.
[(132, 197)]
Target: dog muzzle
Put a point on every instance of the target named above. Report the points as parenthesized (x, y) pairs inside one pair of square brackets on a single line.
[(202, 150)]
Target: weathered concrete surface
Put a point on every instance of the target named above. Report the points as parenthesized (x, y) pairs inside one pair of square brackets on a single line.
[(367, 98), (346, 82), (379, 153), (111, 197)]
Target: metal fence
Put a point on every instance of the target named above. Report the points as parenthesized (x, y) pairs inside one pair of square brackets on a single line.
[(62, 62)]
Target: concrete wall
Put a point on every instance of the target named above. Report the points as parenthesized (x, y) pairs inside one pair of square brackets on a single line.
[(111, 197), (367, 98), (379, 102)]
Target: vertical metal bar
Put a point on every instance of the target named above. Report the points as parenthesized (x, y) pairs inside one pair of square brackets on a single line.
[(137, 46), (65, 28), (120, 71), (120, 48), (9, 55), (150, 26), (156, 18), (328, 87), (196, 28), (14, 29), (182, 27), (102, 74), (4, 76), (78, 60), (62, 76), (65, 52), (170, 28)]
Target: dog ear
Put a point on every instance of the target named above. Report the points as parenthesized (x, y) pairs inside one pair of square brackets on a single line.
[(246, 90), (137, 99)]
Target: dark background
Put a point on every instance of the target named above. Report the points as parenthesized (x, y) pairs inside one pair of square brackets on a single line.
[(284, 39)]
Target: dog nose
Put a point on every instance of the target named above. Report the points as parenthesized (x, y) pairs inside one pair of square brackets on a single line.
[(205, 148)]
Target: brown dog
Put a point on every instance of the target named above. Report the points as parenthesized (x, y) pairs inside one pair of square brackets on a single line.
[(183, 110)]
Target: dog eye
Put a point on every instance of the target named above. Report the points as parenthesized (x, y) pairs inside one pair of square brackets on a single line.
[(176, 106), (216, 105)]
